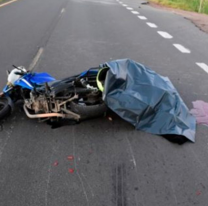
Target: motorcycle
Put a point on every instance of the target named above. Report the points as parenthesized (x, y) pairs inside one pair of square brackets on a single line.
[(45, 98)]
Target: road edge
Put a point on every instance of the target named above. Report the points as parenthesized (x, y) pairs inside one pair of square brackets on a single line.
[(6, 3)]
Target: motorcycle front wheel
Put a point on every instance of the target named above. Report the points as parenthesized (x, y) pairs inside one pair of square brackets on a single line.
[(5, 109)]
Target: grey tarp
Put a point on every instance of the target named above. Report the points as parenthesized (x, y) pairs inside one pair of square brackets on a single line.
[(146, 99)]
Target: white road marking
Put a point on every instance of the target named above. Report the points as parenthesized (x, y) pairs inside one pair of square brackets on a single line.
[(142, 17), (7, 3), (165, 35), (124, 5), (129, 8), (182, 48), (63, 10), (151, 25), (203, 66), (36, 59), (134, 12)]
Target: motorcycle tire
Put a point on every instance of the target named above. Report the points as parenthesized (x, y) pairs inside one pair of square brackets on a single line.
[(88, 111), (5, 109)]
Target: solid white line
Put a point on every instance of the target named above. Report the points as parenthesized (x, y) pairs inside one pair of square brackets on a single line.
[(203, 66), (124, 5), (7, 3), (165, 35), (151, 25), (36, 59), (129, 8), (134, 12), (142, 17), (182, 48)]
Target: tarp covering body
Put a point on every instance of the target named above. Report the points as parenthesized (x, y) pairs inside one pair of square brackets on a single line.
[(146, 99)]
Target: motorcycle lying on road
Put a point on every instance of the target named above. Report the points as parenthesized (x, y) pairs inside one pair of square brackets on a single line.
[(43, 97)]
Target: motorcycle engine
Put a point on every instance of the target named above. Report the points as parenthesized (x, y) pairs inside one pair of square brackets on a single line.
[(37, 103)]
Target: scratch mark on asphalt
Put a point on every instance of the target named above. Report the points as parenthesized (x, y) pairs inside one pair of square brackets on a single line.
[(131, 151), (134, 162), (174, 195), (200, 162), (77, 172), (88, 185), (6, 141), (48, 180)]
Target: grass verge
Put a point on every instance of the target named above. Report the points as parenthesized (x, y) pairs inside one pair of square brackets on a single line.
[(189, 5), (3, 1)]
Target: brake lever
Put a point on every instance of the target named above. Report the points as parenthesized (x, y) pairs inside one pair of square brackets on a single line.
[(16, 67)]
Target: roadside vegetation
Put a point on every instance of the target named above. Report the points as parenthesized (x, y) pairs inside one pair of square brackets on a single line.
[(200, 6), (3, 1)]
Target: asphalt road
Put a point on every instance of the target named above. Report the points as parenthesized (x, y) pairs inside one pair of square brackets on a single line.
[(101, 162)]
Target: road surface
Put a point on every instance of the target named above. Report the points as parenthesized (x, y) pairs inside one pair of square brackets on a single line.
[(101, 162)]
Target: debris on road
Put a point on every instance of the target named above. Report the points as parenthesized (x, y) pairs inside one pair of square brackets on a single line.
[(71, 170), (55, 163), (110, 119), (198, 193), (71, 157), (200, 111), (146, 99), (145, 2)]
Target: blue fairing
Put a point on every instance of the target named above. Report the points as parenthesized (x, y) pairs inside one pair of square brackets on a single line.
[(30, 80), (24, 83), (6, 89), (40, 78)]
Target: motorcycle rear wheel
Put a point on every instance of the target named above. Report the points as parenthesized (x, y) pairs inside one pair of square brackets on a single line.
[(88, 111), (5, 109)]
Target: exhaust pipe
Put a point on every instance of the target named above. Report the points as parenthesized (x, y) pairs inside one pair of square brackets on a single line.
[(34, 116)]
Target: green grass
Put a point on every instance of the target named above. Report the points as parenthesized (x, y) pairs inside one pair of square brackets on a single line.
[(3, 1), (190, 5)]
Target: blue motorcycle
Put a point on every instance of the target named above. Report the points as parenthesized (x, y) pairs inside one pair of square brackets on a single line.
[(77, 97)]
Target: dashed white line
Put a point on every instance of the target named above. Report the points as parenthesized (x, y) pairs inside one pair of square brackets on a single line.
[(129, 8), (151, 25), (134, 12), (164, 34), (124, 5), (63, 10), (203, 66), (182, 48), (142, 17)]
